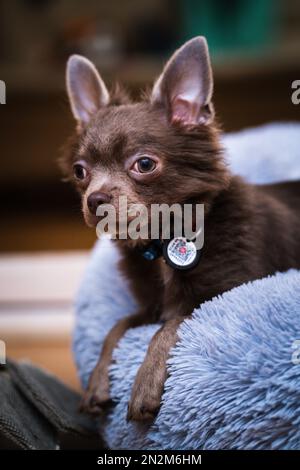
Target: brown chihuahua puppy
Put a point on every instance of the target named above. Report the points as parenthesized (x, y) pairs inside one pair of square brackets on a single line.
[(166, 149)]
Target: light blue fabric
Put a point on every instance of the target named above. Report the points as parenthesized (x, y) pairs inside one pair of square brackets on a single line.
[(265, 154), (232, 380)]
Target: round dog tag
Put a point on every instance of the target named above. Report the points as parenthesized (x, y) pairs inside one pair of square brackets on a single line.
[(181, 253)]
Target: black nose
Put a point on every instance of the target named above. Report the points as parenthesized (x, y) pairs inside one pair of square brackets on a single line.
[(96, 199)]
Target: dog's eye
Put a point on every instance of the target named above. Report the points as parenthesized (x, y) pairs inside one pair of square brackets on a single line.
[(144, 165), (80, 172)]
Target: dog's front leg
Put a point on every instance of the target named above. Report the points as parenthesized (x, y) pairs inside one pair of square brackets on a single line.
[(97, 396), (149, 382)]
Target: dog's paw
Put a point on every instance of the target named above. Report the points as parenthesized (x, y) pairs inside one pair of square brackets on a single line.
[(96, 398), (144, 403), (144, 410)]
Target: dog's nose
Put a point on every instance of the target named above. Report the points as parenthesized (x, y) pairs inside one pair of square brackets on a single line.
[(96, 199)]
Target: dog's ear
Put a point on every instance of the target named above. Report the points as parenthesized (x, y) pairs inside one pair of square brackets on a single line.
[(186, 84), (86, 89)]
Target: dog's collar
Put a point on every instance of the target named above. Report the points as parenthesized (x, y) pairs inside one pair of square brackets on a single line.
[(179, 252), (153, 250)]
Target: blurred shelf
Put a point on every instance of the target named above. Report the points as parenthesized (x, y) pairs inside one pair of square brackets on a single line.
[(140, 70), (36, 308), (40, 278)]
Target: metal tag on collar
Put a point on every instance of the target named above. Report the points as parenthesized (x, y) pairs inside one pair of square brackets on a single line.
[(181, 253)]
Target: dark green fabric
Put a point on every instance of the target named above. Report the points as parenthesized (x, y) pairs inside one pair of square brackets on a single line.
[(37, 411)]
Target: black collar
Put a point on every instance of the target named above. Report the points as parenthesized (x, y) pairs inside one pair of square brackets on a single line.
[(153, 250)]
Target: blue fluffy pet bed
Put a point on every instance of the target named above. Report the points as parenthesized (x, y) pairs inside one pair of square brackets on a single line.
[(234, 382)]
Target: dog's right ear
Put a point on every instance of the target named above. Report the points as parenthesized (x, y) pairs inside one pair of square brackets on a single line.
[(86, 89)]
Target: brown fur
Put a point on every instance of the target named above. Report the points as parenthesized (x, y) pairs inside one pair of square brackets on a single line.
[(250, 231)]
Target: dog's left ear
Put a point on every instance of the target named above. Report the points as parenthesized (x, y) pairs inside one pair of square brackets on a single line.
[(185, 87)]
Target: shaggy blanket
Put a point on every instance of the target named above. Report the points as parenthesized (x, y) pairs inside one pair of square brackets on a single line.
[(234, 378)]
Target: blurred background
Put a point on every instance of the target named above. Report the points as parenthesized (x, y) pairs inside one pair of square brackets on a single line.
[(255, 48)]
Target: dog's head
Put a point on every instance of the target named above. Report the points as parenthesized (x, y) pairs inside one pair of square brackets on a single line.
[(163, 149)]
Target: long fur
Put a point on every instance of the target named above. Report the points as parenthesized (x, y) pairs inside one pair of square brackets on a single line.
[(232, 381)]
